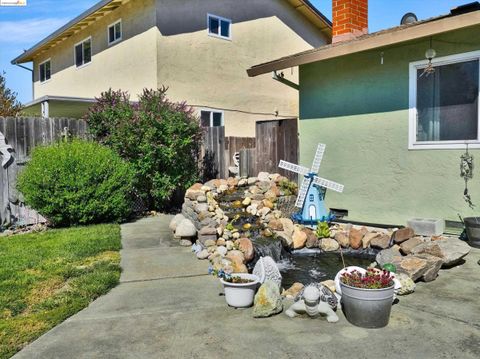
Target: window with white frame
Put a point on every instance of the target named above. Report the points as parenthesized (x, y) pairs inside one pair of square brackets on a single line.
[(115, 32), (219, 27), (210, 118), (444, 108), (83, 52), (45, 71)]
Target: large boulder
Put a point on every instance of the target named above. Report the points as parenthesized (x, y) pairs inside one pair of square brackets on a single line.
[(186, 229), (299, 238), (288, 226), (450, 250), (389, 255), (412, 266), (268, 300), (293, 291), (356, 236), (403, 234), (329, 244), (381, 242), (245, 245), (312, 240), (433, 266), (342, 239), (408, 285), (407, 246), (194, 192), (367, 238), (175, 221)]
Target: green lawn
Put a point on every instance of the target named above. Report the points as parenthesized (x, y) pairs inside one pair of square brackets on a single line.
[(47, 277)]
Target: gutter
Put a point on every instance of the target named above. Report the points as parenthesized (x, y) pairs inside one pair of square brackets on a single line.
[(280, 78), (58, 32)]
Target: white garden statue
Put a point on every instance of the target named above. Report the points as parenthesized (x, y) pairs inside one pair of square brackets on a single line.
[(5, 151), (314, 300)]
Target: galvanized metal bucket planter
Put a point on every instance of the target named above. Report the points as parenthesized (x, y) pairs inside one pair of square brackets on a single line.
[(367, 308), (472, 226)]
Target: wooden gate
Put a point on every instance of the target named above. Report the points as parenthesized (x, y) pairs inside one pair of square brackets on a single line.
[(18, 136), (276, 140)]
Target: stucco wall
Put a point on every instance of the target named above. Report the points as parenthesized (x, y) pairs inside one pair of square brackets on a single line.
[(165, 42), (359, 108), (211, 72), (130, 64)]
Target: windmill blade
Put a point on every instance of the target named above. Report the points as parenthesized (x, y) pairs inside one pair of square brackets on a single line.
[(302, 192), (293, 167), (334, 186), (318, 157)]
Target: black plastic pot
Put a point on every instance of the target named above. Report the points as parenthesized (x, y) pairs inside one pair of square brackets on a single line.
[(472, 226)]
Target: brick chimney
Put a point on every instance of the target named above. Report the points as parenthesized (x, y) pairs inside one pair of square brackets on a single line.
[(350, 19)]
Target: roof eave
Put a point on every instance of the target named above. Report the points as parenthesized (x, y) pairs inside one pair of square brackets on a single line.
[(28, 55), (317, 18), (441, 25)]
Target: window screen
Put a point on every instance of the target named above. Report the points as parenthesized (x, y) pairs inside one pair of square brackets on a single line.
[(447, 102)]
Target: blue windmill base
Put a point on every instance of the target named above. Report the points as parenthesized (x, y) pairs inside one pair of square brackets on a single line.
[(326, 217), (314, 209)]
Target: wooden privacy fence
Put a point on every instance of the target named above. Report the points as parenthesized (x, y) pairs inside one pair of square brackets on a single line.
[(274, 141), (18, 136)]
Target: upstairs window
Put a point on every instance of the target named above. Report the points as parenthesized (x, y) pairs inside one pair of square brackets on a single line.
[(219, 27), (83, 52), (211, 118), (115, 32), (45, 71), (444, 108)]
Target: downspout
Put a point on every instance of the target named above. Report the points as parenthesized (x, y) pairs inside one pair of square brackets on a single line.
[(280, 77), (31, 70)]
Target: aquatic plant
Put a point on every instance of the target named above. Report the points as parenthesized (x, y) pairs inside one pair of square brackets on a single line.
[(323, 230)]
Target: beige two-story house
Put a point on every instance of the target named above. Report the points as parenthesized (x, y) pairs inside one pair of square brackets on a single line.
[(200, 49)]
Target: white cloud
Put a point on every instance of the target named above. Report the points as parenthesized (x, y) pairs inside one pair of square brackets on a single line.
[(29, 31)]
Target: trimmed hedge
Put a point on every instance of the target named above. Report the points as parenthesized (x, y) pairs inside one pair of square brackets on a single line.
[(77, 183)]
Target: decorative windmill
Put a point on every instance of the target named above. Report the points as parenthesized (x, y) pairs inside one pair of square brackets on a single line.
[(312, 192)]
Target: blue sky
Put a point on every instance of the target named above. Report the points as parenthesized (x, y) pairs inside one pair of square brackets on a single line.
[(22, 27)]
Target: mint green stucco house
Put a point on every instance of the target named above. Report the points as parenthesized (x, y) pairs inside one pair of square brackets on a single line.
[(394, 134)]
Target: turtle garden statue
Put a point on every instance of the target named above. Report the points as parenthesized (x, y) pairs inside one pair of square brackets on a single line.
[(313, 300)]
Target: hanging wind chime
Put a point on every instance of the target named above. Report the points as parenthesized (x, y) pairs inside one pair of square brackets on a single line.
[(466, 172), (429, 55)]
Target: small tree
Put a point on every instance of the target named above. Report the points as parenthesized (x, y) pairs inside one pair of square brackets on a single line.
[(9, 105), (161, 140)]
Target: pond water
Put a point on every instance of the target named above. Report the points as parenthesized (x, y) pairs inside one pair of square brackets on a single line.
[(315, 266), (304, 266)]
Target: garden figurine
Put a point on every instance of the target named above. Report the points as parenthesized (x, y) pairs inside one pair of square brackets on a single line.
[(313, 300)]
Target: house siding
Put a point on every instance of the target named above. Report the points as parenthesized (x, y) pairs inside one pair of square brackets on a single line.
[(129, 64), (166, 43), (360, 109), (211, 72)]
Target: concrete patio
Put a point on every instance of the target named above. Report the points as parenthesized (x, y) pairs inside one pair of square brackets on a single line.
[(167, 307)]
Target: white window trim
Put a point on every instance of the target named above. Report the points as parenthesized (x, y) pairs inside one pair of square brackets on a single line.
[(219, 36), (413, 144), (75, 55), (121, 32), (40, 72), (212, 111)]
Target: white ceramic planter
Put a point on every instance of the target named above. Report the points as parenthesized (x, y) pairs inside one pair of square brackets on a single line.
[(240, 295)]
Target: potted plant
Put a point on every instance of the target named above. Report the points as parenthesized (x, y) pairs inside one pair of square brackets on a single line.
[(367, 297), (239, 288)]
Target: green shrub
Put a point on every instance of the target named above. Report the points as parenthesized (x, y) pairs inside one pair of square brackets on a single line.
[(161, 140), (77, 182)]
